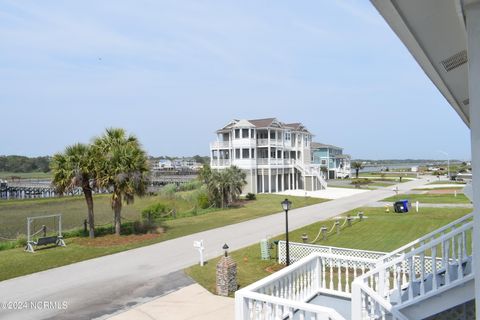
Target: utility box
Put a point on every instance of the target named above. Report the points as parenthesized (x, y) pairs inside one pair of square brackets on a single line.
[(264, 249), (401, 206)]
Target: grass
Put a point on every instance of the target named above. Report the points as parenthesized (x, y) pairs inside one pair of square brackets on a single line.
[(430, 198), (15, 262), (447, 182), (379, 232), (25, 175)]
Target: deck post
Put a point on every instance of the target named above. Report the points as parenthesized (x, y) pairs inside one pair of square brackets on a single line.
[(472, 13)]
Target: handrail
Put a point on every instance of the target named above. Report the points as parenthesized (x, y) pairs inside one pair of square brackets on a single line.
[(332, 313), (383, 268), (421, 249), (427, 236)]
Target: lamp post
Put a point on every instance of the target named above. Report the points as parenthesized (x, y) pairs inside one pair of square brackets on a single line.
[(286, 206), (448, 163)]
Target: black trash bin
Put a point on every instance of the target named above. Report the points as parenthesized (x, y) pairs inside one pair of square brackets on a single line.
[(401, 206)]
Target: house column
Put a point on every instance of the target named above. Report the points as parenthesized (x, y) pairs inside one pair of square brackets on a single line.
[(269, 180), (263, 182), (472, 13)]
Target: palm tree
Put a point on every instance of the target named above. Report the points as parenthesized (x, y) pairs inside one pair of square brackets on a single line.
[(75, 168), (235, 181), (357, 165), (123, 167), (224, 187)]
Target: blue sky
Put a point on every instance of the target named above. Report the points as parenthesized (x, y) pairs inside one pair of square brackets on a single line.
[(172, 72)]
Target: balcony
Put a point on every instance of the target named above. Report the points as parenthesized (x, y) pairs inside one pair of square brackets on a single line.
[(220, 145), (221, 163), (301, 290)]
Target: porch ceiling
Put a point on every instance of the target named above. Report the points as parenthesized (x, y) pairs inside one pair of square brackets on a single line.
[(434, 33)]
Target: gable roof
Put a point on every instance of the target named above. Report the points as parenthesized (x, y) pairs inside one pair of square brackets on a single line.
[(318, 145), (263, 123)]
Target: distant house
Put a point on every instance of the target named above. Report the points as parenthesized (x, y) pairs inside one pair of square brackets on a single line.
[(331, 158), (275, 156)]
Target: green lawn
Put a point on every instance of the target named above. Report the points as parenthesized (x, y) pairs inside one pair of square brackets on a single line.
[(379, 232), (447, 182), (430, 198), (15, 262), (25, 175)]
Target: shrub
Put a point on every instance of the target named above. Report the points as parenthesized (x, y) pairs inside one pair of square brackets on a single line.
[(203, 201), (21, 240), (8, 245), (169, 190), (251, 196), (191, 185), (361, 181), (154, 212)]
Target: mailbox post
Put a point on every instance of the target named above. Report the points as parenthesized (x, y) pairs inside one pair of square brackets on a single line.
[(199, 246)]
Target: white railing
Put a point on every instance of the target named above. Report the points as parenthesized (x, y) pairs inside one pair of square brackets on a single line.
[(262, 161), (219, 144), (300, 250), (311, 170), (427, 238), (221, 162), (289, 291), (262, 142), (413, 273)]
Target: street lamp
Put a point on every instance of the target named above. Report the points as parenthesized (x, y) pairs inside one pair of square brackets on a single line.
[(286, 205), (448, 162)]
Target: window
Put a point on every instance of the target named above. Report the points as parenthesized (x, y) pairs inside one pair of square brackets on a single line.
[(252, 154), (245, 133), (324, 161), (237, 133), (237, 153), (252, 134), (279, 154), (245, 153), (272, 134), (287, 135), (272, 153)]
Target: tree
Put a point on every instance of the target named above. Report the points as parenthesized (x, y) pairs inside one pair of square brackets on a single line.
[(324, 171), (225, 186), (75, 168), (357, 165), (205, 173), (122, 165)]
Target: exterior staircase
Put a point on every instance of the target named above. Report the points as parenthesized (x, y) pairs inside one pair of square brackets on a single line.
[(426, 277), (311, 171)]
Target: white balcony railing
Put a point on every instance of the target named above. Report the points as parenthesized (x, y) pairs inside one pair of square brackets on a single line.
[(220, 145), (221, 163), (426, 267), (287, 293)]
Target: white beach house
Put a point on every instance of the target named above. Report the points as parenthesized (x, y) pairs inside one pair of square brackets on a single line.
[(275, 156)]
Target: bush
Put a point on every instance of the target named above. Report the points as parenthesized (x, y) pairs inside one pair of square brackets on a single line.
[(203, 201), (8, 245), (169, 190), (154, 212), (361, 181), (191, 185), (251, 196)]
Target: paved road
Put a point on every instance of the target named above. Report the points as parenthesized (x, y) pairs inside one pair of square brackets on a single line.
[(107, 284)]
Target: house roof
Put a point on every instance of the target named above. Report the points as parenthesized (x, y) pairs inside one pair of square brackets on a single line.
[(435, 34), (317, 145), (263, 123)]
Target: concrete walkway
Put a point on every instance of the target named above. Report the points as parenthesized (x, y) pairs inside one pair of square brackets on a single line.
[(329, 193), (189, 303), (104, 285)]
